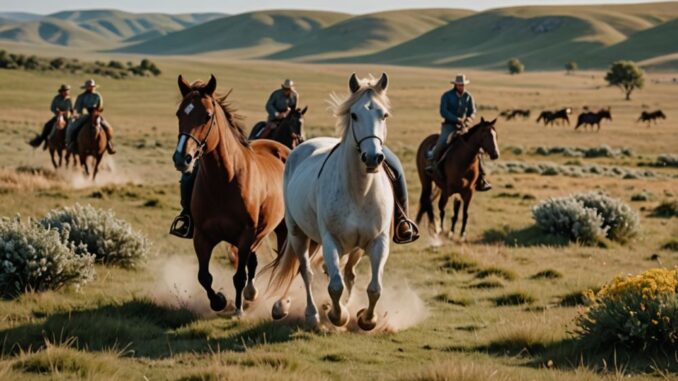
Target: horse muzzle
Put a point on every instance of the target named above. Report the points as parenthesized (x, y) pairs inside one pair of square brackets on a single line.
[(372, 162), (183, 163), (494, 156)]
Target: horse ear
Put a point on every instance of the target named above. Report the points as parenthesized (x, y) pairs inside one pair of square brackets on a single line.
[(482, 120), (382, 85), (494, 121), (304, 110), (211, 86), (353, 83), (184, 87)]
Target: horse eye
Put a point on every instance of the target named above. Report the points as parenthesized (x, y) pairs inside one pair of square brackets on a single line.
[(354, 116), (386, 115)]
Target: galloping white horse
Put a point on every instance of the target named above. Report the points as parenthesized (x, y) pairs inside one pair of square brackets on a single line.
[(337, 195)]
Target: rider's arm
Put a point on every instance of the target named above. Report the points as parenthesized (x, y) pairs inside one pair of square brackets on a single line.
[(445, 112), (53, 106), (78, 104), (295, 101), (101, 101), (270, 108), (471, 109)]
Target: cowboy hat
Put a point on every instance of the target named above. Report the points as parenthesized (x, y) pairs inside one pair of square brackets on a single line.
[(64, 87), (88, 83), (461, 80), (288, 84)]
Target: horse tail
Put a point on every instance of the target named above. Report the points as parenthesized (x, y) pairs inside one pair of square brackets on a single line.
[(283, 269)]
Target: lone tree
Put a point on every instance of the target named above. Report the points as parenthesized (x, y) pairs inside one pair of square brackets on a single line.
[(515, 66), (627, 76), (571, 67)]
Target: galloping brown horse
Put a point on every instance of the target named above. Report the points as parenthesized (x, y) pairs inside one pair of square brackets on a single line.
[(460, 170), (91, 140), (237, 196), (57, 141)]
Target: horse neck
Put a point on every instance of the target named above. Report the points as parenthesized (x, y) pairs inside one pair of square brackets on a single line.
[(283, 133), (467, 151), (228, 154)]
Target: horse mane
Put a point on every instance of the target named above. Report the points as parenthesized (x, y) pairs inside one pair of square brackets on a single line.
[(232, 117), (341, 108), (474, 129)]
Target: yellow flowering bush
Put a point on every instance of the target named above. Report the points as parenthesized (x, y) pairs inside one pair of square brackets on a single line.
[(639, 311)]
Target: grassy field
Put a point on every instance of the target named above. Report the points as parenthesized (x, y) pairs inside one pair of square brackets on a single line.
[(441, 295)]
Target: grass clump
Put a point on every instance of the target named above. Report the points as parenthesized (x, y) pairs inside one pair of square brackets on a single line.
[(587, 218), (110, 239), (666, 209), (461, 302), (671, 244), (514, 299), (496, 271), (639, 312), (35, 258), (454, 370), (454, 262), (547, 274), (641, 196)]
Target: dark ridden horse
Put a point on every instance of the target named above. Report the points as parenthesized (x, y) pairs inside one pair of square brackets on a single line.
[(650, 117), (593, 118), (460, 170), (56, 141), (238, 191), (289, 131), (91, 140)]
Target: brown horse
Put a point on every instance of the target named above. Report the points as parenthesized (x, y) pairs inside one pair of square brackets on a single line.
[(593, 118), (56, 141), (650, 117), (460, 169), (289, 131), (91, 140), (237, 196)]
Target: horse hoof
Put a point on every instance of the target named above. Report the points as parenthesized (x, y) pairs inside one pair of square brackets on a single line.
[(312, 321), (450, 235), (340, 320), (364, 324), (281, 309), (250, 293), (218, 302)]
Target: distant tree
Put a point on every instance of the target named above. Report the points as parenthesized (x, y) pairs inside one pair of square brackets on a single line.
[(145, 64), (32, 63), (116, 64), (57, 63), (154, 69), (515, 66), (627, 76), (571, 67)]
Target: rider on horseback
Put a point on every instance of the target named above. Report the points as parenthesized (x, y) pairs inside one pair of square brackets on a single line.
[(60, 102), (457, 109), (90, 98), (279, 104)]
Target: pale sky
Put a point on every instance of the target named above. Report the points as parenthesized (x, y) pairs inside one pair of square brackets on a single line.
[(240, 6)]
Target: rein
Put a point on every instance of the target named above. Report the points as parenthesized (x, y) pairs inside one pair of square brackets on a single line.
[(203, 143)]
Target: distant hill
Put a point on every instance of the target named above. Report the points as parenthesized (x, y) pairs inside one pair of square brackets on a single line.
[(96, 29), (18, 16)]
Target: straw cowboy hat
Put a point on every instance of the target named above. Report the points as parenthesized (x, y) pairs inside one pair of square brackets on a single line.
[(64, 87), (89, 83), (288, 84), (461, 80)]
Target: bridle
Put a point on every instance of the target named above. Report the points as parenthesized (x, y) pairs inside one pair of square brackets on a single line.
[(202, 143), (359, 142)]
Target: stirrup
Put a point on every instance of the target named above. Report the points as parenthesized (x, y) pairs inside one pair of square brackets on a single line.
[(402, 240), (186, 228)]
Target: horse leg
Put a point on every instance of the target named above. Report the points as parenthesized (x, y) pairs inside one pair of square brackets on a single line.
[(300, 245), (51, 155), (61, 157), (466, 197), (457, 204), (425, 204), (83, 162), (203, 249), (250, 292), (349, 269), (338, 314), (96, 166), (442, 203), (240, 276), (378, 252)]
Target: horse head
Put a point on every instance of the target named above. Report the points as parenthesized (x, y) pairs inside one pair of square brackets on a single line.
[(605, 113), (60, 122), (660, 114), (367, 115), (293, 124), (94, 114), (488, 137), (197, 116)]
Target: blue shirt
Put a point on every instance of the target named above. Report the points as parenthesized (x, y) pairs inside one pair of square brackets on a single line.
[(454, 106)]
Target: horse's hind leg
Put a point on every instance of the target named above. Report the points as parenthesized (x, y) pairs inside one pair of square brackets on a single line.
[(61, 157), (83, 162), (250, 291), (96, 167), (203, 249), (240, 276), (457, 204), (378, 251), (425, 204), (338, 314)]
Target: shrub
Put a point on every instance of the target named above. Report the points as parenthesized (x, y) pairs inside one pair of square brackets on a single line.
[(666, 209), (35, 258), (640, 312), (626, 75), (641, 196), (515, 66), (111, 240), (587, 217), (667, 160), (671, 244)]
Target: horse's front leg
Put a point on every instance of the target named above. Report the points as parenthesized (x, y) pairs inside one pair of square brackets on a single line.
[(442, 203), (203, 250), (61, 157), (240, 276), (338, 314), (378, 251), (466, 198), (83, 161), (349, 269), (455, 216), (96, 166), (51, 155)]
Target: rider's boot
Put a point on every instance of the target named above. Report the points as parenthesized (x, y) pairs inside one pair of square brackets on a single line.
[(482, 185), (182, 226), (109, 147), (406, 230)]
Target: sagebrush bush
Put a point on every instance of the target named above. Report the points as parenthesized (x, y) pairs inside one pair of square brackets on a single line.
[(587, 217), (110, 239), (640, 312), (35, 258), (666, 209)]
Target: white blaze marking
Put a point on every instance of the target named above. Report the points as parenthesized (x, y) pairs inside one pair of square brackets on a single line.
[(180, 145), (189, 108)]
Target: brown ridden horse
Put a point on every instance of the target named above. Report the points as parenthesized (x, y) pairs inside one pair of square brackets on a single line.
[(237, 196), (650, 117), (289, 131), (460, 169), (593, 118), (56, 141), (91, 140)]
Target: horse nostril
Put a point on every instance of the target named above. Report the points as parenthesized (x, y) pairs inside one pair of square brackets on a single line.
[(188, 159), (380, 158), (363, 157)]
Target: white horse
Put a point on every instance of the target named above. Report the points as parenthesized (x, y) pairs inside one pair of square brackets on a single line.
[(338, 196)]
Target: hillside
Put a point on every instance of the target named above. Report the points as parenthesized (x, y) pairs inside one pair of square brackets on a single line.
[(263, 32), (96, 29)]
